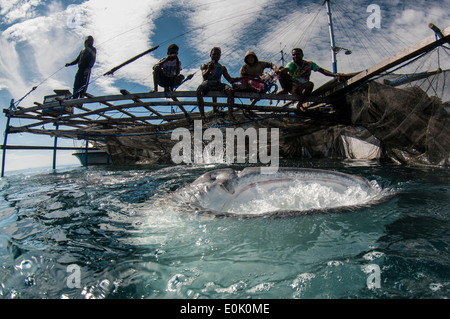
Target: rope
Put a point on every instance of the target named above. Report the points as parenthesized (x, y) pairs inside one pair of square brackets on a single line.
[(16, 104), (387, 73), (231, 16)]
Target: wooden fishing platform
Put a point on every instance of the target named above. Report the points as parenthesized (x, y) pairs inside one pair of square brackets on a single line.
[(95, 118), (92, 117)]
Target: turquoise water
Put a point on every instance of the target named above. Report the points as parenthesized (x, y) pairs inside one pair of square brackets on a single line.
[(105, 232)]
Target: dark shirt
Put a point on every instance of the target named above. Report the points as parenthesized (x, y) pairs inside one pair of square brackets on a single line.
[(215, 74), (86, 58)]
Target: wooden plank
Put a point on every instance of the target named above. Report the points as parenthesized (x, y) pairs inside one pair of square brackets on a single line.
[(402, 56), (81, 107), (137, 100), (115, 107), (71, 120), (133, 122), (152, 95)]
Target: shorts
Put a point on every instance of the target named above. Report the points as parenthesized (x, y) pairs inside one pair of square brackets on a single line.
[(206, 86), (168, 82), (297, 88)]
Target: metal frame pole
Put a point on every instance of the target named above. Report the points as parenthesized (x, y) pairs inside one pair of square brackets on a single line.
[(330, 24), (86, 154), (5, 141), (55, 146)]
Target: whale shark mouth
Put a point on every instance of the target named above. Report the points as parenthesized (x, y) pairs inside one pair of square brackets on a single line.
[(289, 191)]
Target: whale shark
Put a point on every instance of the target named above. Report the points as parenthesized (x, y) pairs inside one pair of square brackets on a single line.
[(288, 191)]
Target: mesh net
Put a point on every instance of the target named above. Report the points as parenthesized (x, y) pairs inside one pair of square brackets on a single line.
[(411, 120), (403, 118)]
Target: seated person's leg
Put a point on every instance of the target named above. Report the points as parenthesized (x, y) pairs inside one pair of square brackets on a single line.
[(202, 90)]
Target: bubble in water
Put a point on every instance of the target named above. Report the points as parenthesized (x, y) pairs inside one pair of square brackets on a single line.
[(373, 255), (436, 286), (233, 288), (25, 265), (301, 279), (175, 282), (265, 286), (335, 263), (104, 284)]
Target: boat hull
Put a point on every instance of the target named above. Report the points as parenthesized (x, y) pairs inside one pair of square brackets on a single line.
[(94, 157)]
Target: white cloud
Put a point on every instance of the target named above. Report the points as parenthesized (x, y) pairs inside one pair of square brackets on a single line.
[(121, 32), (410, 16), (33, 50), (226, 24), (13, 10), (44, 44)]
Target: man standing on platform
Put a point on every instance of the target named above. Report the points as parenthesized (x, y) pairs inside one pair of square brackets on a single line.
[(85, 61)]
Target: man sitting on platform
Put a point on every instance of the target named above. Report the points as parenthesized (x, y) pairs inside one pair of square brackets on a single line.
[(295, 77), (253, 67), (212, 73), (166, 72)]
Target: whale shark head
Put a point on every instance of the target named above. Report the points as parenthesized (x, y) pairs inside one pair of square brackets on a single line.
[(289, 191)]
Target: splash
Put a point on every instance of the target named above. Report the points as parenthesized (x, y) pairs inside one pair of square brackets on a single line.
[(289, 191)]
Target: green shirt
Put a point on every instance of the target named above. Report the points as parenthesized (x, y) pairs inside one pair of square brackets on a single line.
[(300, 73)]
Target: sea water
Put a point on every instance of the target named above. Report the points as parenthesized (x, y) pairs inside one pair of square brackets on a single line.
[(97, 233)]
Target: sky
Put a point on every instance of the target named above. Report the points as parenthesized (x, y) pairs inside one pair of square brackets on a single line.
[(38, 37)]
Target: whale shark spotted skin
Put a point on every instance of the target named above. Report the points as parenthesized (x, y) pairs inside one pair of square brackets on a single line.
[(289, 191)]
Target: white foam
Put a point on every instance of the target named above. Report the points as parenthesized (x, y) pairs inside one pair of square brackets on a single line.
[(299, 196)]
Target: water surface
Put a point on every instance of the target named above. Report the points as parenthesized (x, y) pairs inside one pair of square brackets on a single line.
[(109, 222)]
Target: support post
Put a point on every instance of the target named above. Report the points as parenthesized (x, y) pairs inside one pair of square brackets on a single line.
[(86, 154), (5, 141), (330, 26), (55, 146)]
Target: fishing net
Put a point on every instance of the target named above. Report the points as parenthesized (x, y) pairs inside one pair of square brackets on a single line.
[(411, 120), (404, 124), (401, 117)]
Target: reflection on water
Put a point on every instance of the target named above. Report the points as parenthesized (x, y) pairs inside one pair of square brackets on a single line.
[(105, 221)]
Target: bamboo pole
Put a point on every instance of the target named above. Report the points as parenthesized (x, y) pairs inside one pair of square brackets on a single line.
[(409, 53), (111, 72)]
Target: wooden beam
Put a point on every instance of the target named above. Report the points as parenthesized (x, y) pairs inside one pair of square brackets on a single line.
[(150, 95), (420, 47), (177, 102), (437, 31), (115, 107), (111, 72), (137, 100)]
